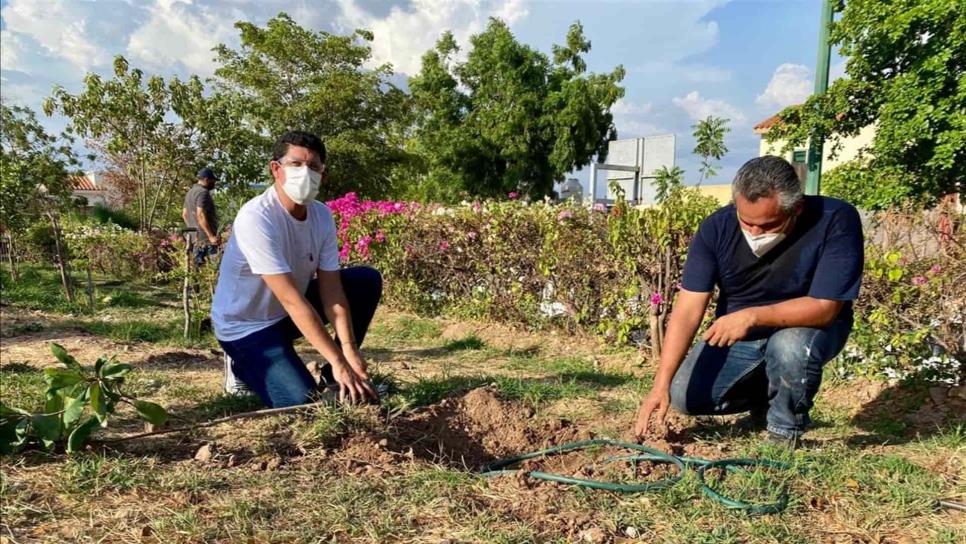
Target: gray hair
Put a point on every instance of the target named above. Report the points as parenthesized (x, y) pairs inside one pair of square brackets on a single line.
[(766, 176)]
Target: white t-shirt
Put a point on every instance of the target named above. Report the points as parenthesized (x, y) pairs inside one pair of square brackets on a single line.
[(266, 239)]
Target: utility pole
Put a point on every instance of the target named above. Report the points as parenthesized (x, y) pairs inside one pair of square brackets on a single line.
[(816, 143)]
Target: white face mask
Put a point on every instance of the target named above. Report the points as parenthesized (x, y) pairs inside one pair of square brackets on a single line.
[(763, 243), (301, 183)]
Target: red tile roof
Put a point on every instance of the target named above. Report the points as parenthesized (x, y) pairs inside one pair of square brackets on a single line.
[(83, 183), (763, 126)]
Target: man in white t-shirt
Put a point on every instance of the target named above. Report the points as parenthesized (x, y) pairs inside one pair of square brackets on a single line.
[(280, 279)]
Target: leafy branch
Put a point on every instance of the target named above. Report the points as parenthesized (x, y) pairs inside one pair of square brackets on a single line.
[(78, 401)]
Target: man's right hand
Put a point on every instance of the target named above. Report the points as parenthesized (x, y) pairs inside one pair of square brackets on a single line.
[(214, 240), (658, 399), (352, 388)]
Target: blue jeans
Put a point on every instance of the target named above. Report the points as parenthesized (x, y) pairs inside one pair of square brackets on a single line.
[(266, 360), (781, 373)]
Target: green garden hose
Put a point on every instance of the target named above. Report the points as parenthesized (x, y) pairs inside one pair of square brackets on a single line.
[(649, 455)]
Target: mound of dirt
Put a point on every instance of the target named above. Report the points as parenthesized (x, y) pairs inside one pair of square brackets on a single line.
[(469, 431)]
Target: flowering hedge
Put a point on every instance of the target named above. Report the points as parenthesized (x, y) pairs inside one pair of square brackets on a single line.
[(119, 252), (615, 273), (528, 263)]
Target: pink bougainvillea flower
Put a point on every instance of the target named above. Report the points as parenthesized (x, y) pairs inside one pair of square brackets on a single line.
[(513, 195), (471, 235), (935, 270), (919, 280), (444, 245), (564, 215), (656, 299), (380, 236), (476, 206), (599, 207)]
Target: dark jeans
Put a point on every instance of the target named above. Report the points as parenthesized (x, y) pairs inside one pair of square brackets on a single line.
[(781, 373), (266, 360), (202, 252)]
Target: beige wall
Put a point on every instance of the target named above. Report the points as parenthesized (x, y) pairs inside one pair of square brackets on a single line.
[(850, 148), (720, 192)]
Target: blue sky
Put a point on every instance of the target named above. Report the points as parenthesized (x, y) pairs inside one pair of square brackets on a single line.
[(741, 59)]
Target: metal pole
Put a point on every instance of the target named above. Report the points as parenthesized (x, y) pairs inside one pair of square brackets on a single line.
[(814, 178), (593, 183)]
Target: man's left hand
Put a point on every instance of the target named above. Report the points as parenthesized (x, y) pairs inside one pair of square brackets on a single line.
[(731, 328), (354, 357)]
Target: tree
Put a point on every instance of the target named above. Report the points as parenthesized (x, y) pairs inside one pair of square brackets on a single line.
[(128, 121), (906, 66), (666, 180), (508, 118), (286, 77), (35, 170), (709, 134)]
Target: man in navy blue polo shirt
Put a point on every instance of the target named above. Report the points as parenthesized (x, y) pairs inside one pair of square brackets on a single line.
[(787, 268)]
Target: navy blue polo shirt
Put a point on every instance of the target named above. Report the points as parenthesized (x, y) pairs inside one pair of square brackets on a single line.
[(822, 257)]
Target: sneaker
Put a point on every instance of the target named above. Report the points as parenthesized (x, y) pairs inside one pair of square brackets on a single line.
[(776, 439), (756, 420), (234, 386)]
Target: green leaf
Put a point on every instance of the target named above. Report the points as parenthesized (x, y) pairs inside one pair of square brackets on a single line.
[(99, 364), (151, 412), (78, 437), (98, 404), (58, 378), (115, 370), (11, 411), (61, 354), (73, 409), (13, 434), (47, 427), (55, 403)]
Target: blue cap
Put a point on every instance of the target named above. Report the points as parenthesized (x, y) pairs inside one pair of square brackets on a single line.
[(207, 173)]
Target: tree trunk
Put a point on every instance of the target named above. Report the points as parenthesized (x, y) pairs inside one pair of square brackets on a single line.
[(186, 289), (90, 287), (62, 260), (11, 249), (656, 334)]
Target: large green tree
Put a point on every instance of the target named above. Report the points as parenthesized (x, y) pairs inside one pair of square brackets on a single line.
[(286, 77), (709, 136), (508, 118), (127, 120), (906, 74), (35, 171)]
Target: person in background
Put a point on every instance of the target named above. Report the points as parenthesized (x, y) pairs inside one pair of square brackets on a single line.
[(199, 213), (787, 268)]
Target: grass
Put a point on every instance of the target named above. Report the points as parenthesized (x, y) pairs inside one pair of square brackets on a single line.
[(845, 486)]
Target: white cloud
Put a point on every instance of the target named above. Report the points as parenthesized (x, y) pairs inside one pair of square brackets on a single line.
[(630, 128), (184, 33), (78, 32), (699, 73), (405, 34), (699, 108), (626, 107), (790, 84)]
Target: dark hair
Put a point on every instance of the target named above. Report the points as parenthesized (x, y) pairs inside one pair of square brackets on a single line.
[(298, 138), (765, 176)]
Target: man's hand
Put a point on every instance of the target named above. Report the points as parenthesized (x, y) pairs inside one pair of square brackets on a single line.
[(352, 388), (731, 328), (354, 357), (214, 240), (658, 399)]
